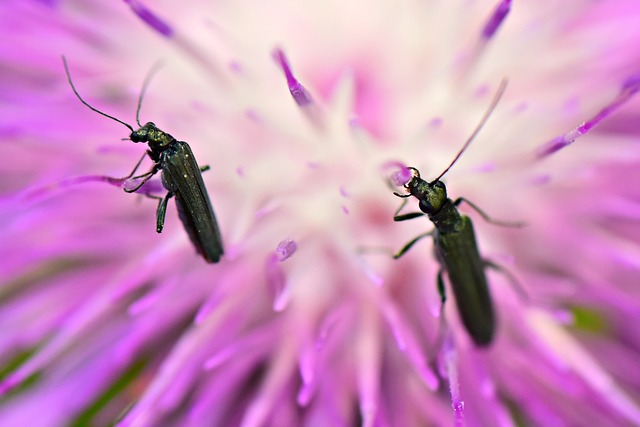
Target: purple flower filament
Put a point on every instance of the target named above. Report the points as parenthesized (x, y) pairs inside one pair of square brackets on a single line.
[(629, 88), (299, 93)]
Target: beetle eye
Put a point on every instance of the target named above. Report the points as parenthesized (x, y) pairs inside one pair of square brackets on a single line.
[(425, 206), (138, 136)]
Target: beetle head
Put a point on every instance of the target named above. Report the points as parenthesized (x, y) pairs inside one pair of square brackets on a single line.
[(431, 195), (145, 134)]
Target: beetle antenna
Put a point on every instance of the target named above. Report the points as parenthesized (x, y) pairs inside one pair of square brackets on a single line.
[(66, 69), (145, 84), (492, 106)]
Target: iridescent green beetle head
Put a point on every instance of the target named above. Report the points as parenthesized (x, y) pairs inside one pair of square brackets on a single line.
[(431, 195), (157, 139), (144, 134)]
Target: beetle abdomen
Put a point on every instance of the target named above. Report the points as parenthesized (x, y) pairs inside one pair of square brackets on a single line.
[(465, 269)]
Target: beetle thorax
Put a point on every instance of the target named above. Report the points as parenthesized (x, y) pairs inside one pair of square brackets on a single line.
[(431, 195)]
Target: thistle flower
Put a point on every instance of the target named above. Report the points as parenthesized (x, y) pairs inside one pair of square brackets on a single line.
[(104, 321)]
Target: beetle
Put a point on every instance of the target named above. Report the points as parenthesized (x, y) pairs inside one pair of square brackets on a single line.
[(181, 177), (455, 243)]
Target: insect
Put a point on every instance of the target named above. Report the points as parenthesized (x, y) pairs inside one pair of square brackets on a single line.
[(181, 177), (455, 244)]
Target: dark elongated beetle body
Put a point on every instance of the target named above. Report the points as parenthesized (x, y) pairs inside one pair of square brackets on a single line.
[(455, 245), (457, 252), (181, 176)]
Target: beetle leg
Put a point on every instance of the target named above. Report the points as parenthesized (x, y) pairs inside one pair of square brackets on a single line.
[(204, 168), (146, 177), (136, 166), (441, 291), (161, 211), (515, 283), (401, 252), (442, 328), (402, 205), (405, 217), (515, 224), (124, 178), (408, 246)]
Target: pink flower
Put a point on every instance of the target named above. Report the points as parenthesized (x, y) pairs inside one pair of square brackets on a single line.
[(300, 109)]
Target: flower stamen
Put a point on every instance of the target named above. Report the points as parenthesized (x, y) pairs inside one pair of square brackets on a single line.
[(629, 88)]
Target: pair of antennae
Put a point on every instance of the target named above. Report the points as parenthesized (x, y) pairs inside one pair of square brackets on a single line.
[(145, 84), (480, 125), (156, 67)]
